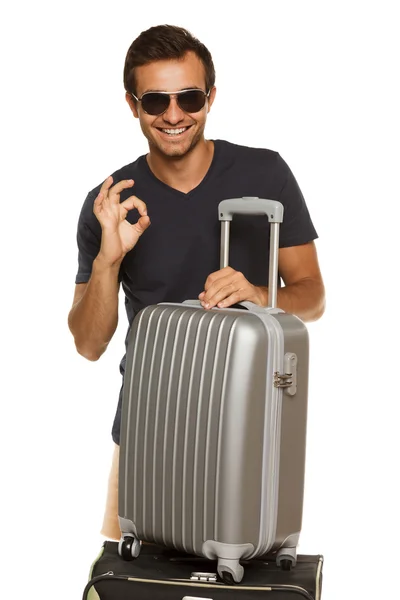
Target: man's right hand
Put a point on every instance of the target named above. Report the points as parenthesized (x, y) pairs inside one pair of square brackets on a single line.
[(118, 235)]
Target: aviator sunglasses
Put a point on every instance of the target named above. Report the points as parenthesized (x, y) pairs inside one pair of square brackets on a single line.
[(156, 103)]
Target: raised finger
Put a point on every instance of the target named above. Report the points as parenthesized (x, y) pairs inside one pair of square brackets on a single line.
[(98, 201), (106, 185), (119, 187)]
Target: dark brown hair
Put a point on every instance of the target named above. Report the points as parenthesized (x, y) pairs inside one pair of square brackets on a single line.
[(164, 42)]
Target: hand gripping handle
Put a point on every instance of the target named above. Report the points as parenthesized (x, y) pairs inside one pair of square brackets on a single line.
[(253, 206)]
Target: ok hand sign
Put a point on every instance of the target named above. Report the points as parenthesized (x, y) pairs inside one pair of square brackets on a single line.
[(118, 235)]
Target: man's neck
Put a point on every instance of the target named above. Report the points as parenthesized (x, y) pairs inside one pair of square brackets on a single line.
[(183, 173)]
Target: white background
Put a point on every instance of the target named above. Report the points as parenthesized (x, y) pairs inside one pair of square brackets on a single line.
[(327, 73)]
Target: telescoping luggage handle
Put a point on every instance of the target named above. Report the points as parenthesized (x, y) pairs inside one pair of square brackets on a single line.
[(254, 206)]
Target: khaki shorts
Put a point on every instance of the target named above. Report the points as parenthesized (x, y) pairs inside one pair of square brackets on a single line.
[(111, 529)]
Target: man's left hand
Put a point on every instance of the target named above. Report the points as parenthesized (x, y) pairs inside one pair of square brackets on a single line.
[(227, 287)]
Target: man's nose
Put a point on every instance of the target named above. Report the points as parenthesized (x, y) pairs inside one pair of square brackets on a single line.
[(174, 113)]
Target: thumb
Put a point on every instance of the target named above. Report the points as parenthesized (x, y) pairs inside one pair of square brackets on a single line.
[(142, 224)]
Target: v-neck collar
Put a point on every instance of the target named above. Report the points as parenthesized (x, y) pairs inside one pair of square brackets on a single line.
[(173, 190)]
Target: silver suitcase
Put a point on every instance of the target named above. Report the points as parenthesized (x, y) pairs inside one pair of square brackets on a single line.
[(213, 431)]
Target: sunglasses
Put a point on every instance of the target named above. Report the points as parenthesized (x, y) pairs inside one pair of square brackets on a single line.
[(156, 103)]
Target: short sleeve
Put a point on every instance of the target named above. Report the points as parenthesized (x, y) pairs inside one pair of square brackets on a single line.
[(297, 227), (88, 240)]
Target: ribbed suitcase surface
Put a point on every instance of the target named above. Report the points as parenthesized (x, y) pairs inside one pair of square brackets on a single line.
[(195, 399)]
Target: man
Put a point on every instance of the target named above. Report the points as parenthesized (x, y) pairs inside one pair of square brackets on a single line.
[(162, 243)]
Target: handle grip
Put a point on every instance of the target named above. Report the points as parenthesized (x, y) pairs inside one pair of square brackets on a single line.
[(254, 206), (249, 205)]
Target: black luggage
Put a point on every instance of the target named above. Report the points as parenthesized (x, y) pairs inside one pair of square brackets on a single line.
[(169, 575)]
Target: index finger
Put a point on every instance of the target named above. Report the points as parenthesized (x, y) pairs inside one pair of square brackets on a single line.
[(120, 186), (135, 202)]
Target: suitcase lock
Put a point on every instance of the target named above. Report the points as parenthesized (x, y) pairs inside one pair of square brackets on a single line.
[(288, 379)]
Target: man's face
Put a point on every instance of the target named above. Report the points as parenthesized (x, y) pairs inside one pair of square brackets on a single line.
[(172, 76)]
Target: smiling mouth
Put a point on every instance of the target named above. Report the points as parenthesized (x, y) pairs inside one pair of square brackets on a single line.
[(173, 131)]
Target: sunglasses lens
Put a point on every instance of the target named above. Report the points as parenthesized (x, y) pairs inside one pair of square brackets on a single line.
[(192, 101), (154, 103)]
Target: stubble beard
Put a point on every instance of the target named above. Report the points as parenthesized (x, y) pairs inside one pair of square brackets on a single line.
[(168, 151)]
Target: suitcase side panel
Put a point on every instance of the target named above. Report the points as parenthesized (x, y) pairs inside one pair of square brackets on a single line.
[(293, 436)]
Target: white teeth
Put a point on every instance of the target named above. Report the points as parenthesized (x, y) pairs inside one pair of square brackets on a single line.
[(174, 131)]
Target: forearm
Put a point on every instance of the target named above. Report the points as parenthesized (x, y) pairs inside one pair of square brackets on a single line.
[(94, 318), (305, 299)]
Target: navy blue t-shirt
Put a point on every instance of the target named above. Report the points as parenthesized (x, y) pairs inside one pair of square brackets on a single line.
[(175, 255)]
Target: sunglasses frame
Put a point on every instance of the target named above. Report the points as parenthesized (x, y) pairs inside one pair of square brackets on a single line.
[(170, 94)]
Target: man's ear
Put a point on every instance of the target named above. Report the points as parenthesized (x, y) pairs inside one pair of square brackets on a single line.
[(132, 104), (211, 97)]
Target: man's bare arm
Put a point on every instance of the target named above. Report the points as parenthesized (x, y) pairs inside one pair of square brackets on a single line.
[(304, 291), (303, 294), (93, 317)]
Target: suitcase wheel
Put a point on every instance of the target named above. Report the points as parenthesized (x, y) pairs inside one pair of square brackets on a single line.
[(227, 578), (286, 558), (230, 571), (129, 548), (286, 564)]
